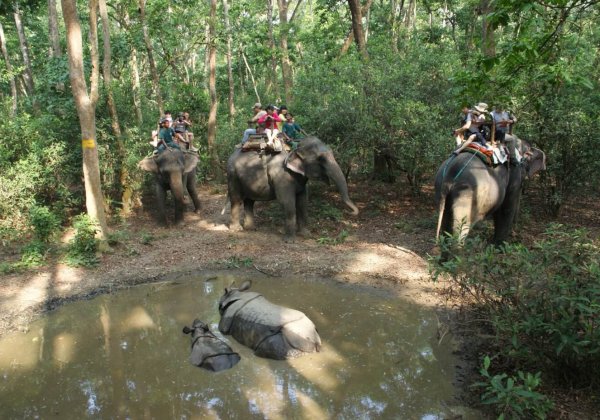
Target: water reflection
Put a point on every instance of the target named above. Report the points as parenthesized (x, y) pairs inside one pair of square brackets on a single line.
[(125, 356)]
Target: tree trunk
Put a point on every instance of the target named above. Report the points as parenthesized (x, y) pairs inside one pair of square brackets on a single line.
[(286, 67), (357, 29), (135, 75), (27, 74), (85, 106), (55, 51), (149, 50), (229, 66), (212, 88), (269, 82), (251, 76), (9, 69), (394, 26), (124, 188), (488, 44)]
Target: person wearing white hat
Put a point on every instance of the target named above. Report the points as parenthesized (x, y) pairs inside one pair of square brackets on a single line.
[(258, 113), (471, 121)]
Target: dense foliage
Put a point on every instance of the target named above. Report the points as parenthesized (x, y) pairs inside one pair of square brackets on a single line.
[(542, 302)]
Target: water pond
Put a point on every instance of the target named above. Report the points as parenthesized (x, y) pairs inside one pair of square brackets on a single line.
[(124, 355)]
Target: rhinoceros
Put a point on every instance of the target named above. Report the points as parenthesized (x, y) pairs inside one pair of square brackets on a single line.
[(208, 351), (272, 331)]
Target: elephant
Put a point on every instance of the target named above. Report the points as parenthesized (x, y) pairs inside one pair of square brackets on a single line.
[(208, 351), (174, 169), (253, 176), (468, 191), (272, 331)]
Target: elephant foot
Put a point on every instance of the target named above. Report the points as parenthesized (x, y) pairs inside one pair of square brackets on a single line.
[(236, 228), (249, 226), (289, 239)]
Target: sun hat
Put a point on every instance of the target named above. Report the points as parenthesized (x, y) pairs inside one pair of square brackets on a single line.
[(481, 107), (257, 105)]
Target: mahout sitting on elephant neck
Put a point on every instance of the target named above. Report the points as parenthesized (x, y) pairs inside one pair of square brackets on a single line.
[(208, 351), (272, 331)]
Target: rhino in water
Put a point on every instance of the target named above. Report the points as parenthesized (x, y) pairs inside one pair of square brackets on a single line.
[(208, 351), (270, 330)]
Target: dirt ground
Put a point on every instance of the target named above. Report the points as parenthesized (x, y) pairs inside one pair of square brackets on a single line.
[(385, 246)]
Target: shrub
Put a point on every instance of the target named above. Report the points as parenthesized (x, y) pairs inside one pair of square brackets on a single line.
[(43, 221), (543, 301), (82, 250), (513, 397)]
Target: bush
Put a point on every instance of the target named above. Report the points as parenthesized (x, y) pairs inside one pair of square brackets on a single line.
[(82, 250), (44, 222), (513, 397), (543, 302)]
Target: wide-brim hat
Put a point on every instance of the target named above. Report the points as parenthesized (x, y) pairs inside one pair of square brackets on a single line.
[(257, 105), (481, 107)]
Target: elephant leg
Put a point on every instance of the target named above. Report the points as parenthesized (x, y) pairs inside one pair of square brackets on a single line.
[(248, 214), (289, 208), (161, 198), (191, 188), (302, 213), (236, 210), (462, 209)]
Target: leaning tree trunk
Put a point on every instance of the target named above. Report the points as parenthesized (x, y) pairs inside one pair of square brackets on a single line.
[(27, 74), (359, 35), (9, 69), (85, 105), (212, 88)]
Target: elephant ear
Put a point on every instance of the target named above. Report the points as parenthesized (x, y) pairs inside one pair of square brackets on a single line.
[(536, 159), (148, 164), (191, 161), (295, 163)]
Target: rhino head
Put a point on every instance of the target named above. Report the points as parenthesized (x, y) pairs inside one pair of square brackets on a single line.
[(232, 295)]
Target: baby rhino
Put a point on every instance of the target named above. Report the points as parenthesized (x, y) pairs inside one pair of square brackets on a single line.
[(208, 351), (270, 330)]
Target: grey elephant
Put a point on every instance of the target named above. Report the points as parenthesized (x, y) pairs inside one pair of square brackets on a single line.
[(468, 191), (263, 177), (174, 170), (208, 351), (272, 331)]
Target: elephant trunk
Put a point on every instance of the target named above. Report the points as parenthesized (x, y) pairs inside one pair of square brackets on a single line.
[(334, 173), (176, 183)]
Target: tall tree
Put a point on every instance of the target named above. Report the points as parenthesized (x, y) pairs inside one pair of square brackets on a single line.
[(357, 28), (488, 43), (350, 37), (271, 80), (150, 52), (212, 89), (286, 67), (86, 107), (55, 50), (27, 74), (229, 65), (13, 83), (124, 188)]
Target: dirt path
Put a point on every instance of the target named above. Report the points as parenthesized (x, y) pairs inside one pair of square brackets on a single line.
[(385, 246)]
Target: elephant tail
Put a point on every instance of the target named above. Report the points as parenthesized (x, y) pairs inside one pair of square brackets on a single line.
[(225, 204), (442, 208)]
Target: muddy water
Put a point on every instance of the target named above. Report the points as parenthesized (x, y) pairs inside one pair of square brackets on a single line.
[(124, 355)]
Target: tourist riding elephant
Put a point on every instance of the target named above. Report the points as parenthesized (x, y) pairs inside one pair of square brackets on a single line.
[(467, 190), (174, 170), (262, 177), (272, 331)]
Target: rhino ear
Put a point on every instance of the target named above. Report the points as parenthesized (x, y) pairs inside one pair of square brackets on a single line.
[(245, 285), (187, 330)]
